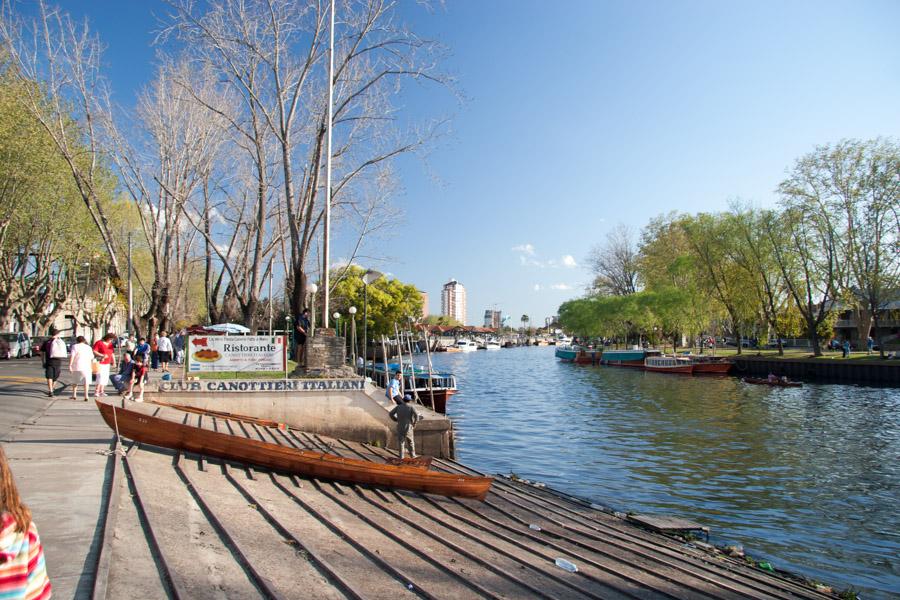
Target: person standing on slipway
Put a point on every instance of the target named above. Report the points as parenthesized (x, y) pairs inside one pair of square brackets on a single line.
[(406, 417), (53, 351), (164, 349)]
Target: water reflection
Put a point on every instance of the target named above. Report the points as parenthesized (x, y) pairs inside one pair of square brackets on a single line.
[(808, 478)]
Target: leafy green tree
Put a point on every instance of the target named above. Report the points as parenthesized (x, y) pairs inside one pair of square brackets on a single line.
[(669, 267), (806, 242), (390, 301), (712, 239), (441, 320)]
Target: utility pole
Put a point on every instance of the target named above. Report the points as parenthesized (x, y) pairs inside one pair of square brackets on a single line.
[(131, 327), (271, 305), (327, 234)]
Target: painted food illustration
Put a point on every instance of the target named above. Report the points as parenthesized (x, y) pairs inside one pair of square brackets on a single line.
[(207, 355)]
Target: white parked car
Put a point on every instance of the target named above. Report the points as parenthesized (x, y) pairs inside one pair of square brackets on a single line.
[(15, 345)]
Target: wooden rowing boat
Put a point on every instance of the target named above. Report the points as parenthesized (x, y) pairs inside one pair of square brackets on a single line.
[(778, 383), (143, 423)]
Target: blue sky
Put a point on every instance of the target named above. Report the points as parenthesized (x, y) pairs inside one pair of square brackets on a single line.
[(583, 114)]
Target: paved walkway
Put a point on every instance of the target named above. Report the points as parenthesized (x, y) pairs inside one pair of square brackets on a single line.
[(58, 458)]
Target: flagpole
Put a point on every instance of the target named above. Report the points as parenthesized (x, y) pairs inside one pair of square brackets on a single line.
[(327, 254)]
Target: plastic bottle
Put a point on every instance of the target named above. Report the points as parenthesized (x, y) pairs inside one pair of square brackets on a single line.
[(568, 566), (534, 527)]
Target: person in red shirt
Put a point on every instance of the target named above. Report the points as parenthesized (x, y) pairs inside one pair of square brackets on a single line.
[(105, 355), (138, 376)]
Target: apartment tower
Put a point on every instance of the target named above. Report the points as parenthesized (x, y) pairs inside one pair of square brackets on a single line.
[(453, 301)]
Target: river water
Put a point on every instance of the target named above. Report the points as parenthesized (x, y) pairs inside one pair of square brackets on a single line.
[(805, 478)]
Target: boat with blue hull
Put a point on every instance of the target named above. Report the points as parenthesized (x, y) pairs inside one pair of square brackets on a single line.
[(578, 354), (434, 388), (626, 358)]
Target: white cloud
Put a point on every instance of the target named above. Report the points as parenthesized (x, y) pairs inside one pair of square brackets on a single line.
[(569, 261), (560, 286), (537, 287), (526, 249)]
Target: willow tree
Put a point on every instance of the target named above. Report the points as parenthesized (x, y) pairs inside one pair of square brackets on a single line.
[(712, 240), (58, 63), (45, 232), (752, 250), (670, 270)]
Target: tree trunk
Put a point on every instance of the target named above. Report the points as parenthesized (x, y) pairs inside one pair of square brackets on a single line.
[(814, 337)]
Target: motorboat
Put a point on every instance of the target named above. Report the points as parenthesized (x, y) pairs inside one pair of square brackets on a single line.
[(681, 365), (466, 346)]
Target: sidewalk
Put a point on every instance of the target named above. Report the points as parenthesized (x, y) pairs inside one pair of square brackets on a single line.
[(58, 460)]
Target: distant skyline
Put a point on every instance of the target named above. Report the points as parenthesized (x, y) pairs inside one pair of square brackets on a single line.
[(584, 114)]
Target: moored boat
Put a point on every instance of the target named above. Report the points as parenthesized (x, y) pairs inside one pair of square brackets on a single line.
[(624, 358), (167, 428), (669, 364), (492, 345), (566, 353), (434, 389), (578, 354), (466, 346), (711, 366)]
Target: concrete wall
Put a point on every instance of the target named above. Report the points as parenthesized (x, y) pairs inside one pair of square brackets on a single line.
[(360, 416), (877, 372)]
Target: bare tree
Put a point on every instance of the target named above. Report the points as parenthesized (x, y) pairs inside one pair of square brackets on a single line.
[(615, 263), (272, 54), (181, 143)]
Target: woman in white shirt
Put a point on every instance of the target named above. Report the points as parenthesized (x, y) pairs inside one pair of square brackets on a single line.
[(80, 360), (164, 349)]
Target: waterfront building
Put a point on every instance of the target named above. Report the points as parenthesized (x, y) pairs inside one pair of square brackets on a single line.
[(453, 300), (492, 318), (424, 296)]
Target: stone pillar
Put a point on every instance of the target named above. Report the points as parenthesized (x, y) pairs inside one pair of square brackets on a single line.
[(326, 354)]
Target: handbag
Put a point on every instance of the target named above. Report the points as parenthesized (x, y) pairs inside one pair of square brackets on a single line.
[(95, 366)]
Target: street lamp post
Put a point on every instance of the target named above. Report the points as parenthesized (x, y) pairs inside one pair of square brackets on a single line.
[(290, 329), (369, 277), (313, 288), (352, 311), (337, 323)]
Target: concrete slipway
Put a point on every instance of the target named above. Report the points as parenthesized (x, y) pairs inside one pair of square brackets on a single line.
[(152, 523)]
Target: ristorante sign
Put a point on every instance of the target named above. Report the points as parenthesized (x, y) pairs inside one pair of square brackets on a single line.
[(274, 385), (217, 353)]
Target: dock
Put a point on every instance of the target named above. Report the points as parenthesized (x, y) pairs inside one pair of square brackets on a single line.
[(123, 520)]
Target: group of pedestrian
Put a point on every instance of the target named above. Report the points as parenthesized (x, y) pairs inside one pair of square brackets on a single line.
[(159, 350), (95, 363)]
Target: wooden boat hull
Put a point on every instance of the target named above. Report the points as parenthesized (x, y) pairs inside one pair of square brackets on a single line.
[(682, 370), (157, 431), (761, 381)]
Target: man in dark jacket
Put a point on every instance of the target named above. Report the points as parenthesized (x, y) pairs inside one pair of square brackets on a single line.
[(120, 380), (406, 417)]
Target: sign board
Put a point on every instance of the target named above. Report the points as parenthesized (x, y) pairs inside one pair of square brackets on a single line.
[(273, 385), (217, 353)]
